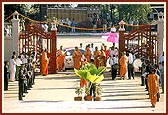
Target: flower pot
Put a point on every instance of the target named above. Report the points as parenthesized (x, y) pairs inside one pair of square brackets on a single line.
[(78, 98), (88, 98), (97, 98)]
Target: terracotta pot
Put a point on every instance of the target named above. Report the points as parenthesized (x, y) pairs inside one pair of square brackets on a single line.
[(78, 98), (88, 98), (97, 98)]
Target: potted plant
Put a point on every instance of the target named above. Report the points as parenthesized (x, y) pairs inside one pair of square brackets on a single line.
[(92, 75), (87, 96), (98, 92), (78, 91)]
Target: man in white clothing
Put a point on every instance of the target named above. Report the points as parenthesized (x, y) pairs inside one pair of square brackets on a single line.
[(113, 61), (130, 65), (18, 65), (12, 68)]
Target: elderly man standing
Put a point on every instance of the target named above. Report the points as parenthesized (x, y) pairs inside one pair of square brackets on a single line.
[(123, 65)]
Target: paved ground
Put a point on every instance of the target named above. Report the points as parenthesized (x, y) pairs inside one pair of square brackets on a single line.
[(55, 93)]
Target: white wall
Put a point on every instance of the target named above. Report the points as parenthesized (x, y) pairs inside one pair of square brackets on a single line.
[(8, 47)]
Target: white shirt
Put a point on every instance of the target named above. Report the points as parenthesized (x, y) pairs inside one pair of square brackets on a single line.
[(18, 62), (113, 52), (113, 60), (130, 58), (92, 51)]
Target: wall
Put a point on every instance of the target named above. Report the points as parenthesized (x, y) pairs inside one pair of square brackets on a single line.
[(8, 46)]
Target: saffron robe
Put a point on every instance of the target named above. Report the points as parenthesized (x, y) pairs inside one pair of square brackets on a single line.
[(153, 87), (96, 58), (88, 55), (77, 55), (102, 59), (60, 60), (44, 64), (123, 65)]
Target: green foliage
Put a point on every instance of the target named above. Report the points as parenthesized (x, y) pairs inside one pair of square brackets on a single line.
[(78, 90), (10, 8), (134, 12), (98, 90), (91, 73)]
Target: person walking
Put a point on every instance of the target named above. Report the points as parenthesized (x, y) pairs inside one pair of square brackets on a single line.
[(88, 54), (113, 62), (44, 63), (130, 65), (102, 58), (123, 61), (153, 86), (96, 54), (77, 55), (60, 59)]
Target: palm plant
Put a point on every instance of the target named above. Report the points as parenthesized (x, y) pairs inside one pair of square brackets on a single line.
[(91, 74)]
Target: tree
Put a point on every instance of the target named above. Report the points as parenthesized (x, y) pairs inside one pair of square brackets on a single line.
[(134, 12), (10, 8)]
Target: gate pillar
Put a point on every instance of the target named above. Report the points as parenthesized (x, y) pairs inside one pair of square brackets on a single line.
[(160, 35), (121, 38), (15, 32), (53, 45)]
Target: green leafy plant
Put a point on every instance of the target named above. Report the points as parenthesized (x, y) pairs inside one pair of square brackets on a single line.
[(98, 90), (78, 89), (91, 74)]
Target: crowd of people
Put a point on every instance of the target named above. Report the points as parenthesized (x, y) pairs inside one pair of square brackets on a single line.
[(153, 75), (22, 69), (100, 57), (123, 66)]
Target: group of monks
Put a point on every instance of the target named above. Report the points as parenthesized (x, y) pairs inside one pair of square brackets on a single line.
[(80, 59), (99, 59)]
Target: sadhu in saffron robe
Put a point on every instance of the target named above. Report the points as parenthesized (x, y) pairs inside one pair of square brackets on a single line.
[(60, 60), (44, 64), (123, 65), (88, 55), (77, 55), (153, 87), (96, 58)]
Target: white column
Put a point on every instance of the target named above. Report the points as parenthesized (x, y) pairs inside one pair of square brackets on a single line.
[(160, 35), (15, 33)]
